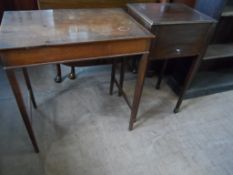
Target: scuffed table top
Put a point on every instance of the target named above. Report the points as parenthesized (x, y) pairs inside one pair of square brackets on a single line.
[(168, 13), (25, 29)]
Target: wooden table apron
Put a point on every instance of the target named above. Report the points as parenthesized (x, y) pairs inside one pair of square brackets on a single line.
[(23, 58)]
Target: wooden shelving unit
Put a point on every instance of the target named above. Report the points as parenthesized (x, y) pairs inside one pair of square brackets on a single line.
[(218, 51), (216, 72)]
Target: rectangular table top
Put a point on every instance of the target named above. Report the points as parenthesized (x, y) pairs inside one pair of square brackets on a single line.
[(168, 13), (26, 29)]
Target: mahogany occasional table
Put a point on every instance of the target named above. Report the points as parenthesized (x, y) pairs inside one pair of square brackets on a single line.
[(33, 38)]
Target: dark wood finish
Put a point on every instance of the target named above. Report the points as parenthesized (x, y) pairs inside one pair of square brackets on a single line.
[(187, 40), (112, 77), (125, 36), (17, 5), (181, 33), (19, 99), (227, 11), (2, 8), (213, 75), (71, 26), (161, 74), (72, 75), (164, 20), (194, 67), (123, 93), (24, 4), (190, 3), (224, 29), (29, 38), (59, 4), (28, 83), (58, 78), (45, 4), (218, 51), (122, 75), (70, 53), (153, 14), (138, 89)]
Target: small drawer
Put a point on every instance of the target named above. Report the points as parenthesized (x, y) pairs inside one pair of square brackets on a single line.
[(181, 40)]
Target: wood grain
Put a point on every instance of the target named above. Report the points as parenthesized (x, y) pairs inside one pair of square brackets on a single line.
[(71, 53), (24, 29), (181, 31)]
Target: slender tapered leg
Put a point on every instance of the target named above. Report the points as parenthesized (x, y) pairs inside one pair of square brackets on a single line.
[(19, 99), (138, 89), (188, 80), (112, 78), (72, 75), (58, 78), (28, 83), (122, 76), (161, 74)]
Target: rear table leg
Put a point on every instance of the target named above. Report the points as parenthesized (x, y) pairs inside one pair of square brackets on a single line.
[(28, 83), (161, 74), (122, 76), (58, 78), (113, 74), (19, 99), (72, 75)]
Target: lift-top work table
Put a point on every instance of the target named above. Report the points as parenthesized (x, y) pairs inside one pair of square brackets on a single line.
[(181, 32), (33, 38)]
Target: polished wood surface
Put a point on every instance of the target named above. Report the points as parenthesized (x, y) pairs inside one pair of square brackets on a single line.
[(167, 13), (23, 29), (190, 3), (180, 30), (58, 36)]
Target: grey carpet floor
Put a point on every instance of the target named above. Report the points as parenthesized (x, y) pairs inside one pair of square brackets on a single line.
[(82, 130)]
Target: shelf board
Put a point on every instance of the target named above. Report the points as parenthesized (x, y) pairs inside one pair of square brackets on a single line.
[(218, 51), (206, 83), (227, 11)]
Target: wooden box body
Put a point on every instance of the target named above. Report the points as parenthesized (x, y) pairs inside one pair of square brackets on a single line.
[(180, 31)]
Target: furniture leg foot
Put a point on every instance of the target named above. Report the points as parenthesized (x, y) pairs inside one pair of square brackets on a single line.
[(72, 75), (176, 110)]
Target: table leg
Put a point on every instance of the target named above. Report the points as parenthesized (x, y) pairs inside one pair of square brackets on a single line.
[(188, 80), (58, 78), (161, 74), (112, 77), (72, 75), (122, 75), (19, 99), (28, 83), (138, 89)]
